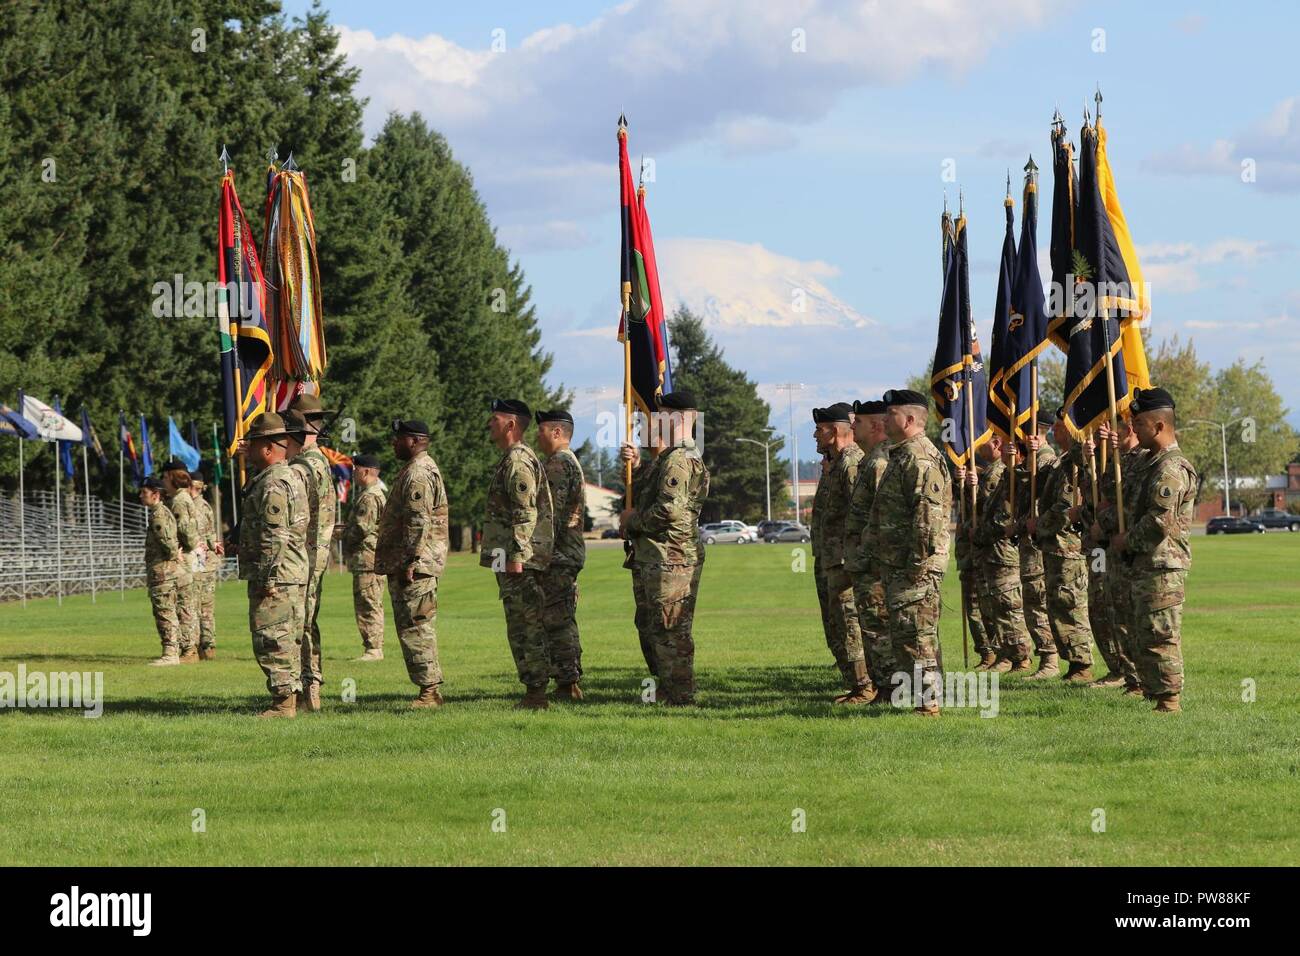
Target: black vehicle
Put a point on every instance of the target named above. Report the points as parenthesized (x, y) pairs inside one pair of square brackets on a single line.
[(1277, 518), (765, 526), (787, 531), (1227, 525), (610, 533)]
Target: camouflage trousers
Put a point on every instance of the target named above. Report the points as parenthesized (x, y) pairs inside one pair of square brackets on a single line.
[(1158, 630), (311, 670), (671, 591), (974, 619), (415, 614), (368, 608), (1101, 616), (1002, 608), (276, 625), (914, 607), (1067, 607), (559, 617), (163, 599), (522, 598), (1037, 620), (1119, 588), (873, 623), (843, 633), (642, 619), (187, 610), (205, 585)]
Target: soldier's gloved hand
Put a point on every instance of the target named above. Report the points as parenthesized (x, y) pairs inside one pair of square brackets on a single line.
[(514, 567), (630, 453)]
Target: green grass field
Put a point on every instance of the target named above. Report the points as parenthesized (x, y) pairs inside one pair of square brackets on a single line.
[(615, 781)]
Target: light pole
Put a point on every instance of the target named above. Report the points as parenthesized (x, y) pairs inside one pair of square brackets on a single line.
[(596, 391), (791, 387), (767, 469), (1223, 435)]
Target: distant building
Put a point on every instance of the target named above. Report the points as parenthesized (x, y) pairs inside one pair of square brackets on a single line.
[(600, 505)]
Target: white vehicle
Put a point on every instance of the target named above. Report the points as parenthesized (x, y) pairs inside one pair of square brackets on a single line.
[(727, 532)]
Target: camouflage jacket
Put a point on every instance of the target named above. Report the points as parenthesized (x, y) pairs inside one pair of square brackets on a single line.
[(907, 532), (1029, 492), (1058, 492), (187, 527), (1165, 500), (161, 545), (520, 523), (963, 546), (991, 543), (569, 499), (207, 527), (322, 499), (362, 530), (412, 530), (841, 478), (816, 522), (1131, 463), (273, 529), (643, 476), (667, 518), (870, 469)]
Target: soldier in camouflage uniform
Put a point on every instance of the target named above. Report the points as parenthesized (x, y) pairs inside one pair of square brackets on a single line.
[(907, 535), (176, 479), (834, 435), (816, 531), (665, 521), (1065, 570), (560, 579), (1119, 573), (969, 578), (518, 539), (1157, 542), (868, 589), (304, 420), (1032, 575), (359, 537), (1097, 553), (273, 560), (1002, 595), (162, 561), (205, 579), (643, 478), (411, 549)]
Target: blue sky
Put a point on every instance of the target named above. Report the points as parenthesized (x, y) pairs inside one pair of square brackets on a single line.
[(821, 170)]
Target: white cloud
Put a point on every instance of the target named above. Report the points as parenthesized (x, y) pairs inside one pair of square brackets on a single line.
[(1271, 144), (550, 236), (741, 284)]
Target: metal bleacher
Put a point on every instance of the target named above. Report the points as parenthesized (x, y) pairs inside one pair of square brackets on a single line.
[(97, 546)]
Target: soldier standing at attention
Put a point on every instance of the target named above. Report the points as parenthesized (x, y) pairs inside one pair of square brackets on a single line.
[(907, 534), (833, 432), (411, 549), (162, 562), (359, 537), (205, 579), (643, 477), (1064, 566), (560, 579), (669, 555), (1032, 575), (1119, 573), (816, 529), (273, 560), (970, 579), (868, 589), (1002, 597), (305, 417), (518, 538), (176, 481), (1157, 544)]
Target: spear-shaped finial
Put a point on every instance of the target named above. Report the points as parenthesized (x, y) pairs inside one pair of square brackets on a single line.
[(622, 126), (945, 202), (1031, 166), (961, 204), (289, 164), (1096, 98), (224, 159), (1008, 182)]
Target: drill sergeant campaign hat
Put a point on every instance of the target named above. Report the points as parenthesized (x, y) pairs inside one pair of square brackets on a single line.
[(309, 406), (839, 412), (295, 423), (267, 425)]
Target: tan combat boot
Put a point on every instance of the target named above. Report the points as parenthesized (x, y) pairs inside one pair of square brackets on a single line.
[(1168, 704), (1133, 690), (930, 711), (1001, 665), (1020, 666), (190, 655), (1078, 673), (371, 654), (311, 697), (282, 706), (1110, 680), (429, 698), (861, 694), (535, 699), (1049, 665), (987, 661), (207, 653), (167, 660), (568, 691)]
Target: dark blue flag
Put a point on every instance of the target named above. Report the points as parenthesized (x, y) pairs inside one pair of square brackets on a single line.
[(999, 412), (1027, 323), (957, 380), (146, 453)]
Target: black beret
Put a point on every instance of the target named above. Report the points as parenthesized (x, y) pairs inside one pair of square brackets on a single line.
[(175, 465), (869, 408), (1046, 418), (196, 476), (555, 415), (680, 400), (904, 396), (511, 406), (153, 484), (410, 426), (1150, 399), (365, 461), (839, 412)]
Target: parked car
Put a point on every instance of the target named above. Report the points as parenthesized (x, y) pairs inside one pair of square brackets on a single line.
[(765, 526), (1277, 518), (726, 532), (1227, 525), (787, 531), (610, 533)]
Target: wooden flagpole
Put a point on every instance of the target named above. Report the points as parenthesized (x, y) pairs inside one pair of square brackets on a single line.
[(627, 388)]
